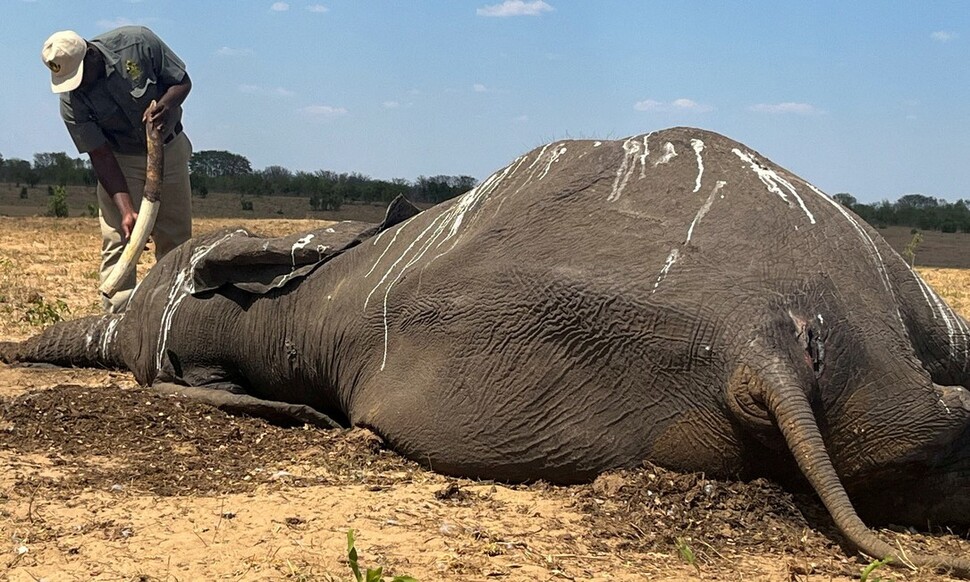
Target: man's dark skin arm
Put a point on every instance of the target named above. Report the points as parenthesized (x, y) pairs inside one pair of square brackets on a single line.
[(109, 174), (172, 99)]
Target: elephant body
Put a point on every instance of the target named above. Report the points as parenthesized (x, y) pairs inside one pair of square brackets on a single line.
[(672, 297)]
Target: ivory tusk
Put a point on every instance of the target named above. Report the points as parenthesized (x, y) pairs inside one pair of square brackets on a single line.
[(147, 213)]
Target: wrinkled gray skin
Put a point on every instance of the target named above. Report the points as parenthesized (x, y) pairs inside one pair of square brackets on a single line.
[(673, 297)]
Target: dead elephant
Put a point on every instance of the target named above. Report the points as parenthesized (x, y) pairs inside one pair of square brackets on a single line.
[(673, 297)]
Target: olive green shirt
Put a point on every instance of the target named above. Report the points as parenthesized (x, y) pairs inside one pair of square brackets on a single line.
[(139, 68)]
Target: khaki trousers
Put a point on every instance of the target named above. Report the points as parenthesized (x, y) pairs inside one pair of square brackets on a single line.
[(173, 225)]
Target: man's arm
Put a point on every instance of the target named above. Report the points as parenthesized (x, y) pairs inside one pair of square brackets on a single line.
[(113, 180), (167, 103)]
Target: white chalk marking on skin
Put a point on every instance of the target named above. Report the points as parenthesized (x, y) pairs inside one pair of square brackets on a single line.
[(945, 407), (510, 171), (698, 146), (378, 237), (645, 155), (671, 259), (874, 254), (301, 244), (675, 254), (771, 179), (397, 231), (874, 250), (955, 328), (553, 158), (631, 148), (442, 228), (109, 335), (707, 206), (669, 154), (89, 337), (538, 157), (182, 287), (400, 258), (532, 169)]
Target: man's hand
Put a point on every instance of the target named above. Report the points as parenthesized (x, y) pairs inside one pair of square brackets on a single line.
[(163, 113), (159, 114), (128, 215)]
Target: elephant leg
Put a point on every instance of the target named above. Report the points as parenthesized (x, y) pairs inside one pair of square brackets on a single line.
[(230, 401)]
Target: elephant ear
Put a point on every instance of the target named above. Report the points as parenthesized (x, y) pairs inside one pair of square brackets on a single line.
[(259, 265)]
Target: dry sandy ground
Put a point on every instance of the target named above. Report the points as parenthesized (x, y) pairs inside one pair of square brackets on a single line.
[(103, 480)]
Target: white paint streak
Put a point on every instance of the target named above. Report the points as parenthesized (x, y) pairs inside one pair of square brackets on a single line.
[(631, 149), (698, 146), (301, 244), (956, 329), (644, 155), (874, 254), (669, 154), (553, 158), (108, 337), (771, 179), (182, 286), (707, 206), (671, 259), (442, 228)]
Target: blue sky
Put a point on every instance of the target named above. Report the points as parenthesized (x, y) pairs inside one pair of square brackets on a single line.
[(866, 97)]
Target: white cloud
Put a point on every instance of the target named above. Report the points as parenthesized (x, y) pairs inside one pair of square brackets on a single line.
[(515, 8), (318, 8), (233, 52), (788, 107), (521, 119), (257, 90), (115, 22), (391, 105), (675, 105), (479, 88), (324, 112), (943, 36), (279, 7)]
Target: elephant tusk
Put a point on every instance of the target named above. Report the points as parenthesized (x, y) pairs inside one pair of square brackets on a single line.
[(147, 213)]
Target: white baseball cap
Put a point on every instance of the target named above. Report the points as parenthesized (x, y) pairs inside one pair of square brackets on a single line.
[(63, 54)]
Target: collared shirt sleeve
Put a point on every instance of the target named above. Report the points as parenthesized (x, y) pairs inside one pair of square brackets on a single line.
[(81, 125), (169, 68)]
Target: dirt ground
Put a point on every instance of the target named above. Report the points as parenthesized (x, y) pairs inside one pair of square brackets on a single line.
[(104, 480)]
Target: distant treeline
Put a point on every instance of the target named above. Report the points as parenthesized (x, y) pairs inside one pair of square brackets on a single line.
[(222, 171), (913, 210)]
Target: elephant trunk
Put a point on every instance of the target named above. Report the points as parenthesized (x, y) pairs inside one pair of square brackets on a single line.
[(793, 414), (86, 342)]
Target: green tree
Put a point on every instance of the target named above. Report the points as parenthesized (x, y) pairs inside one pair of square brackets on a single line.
[(845, 199), (57, 204), (218, 163)]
